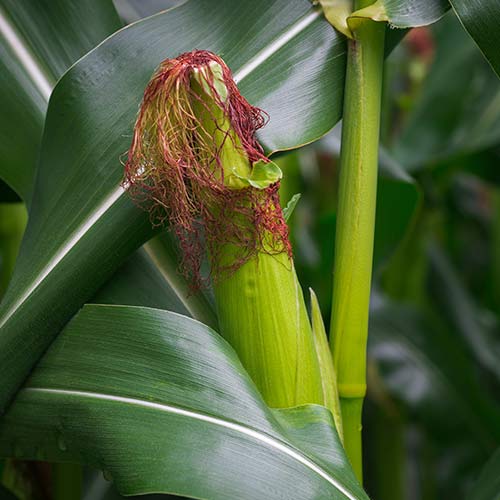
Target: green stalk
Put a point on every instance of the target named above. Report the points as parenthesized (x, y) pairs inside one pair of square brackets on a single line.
[(389, 457), (356, 223), (386, 447)]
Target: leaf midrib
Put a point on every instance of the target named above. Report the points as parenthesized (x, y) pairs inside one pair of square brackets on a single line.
[(209, 419), (21, 48)]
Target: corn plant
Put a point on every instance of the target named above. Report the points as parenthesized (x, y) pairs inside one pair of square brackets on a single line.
[(154, 244)]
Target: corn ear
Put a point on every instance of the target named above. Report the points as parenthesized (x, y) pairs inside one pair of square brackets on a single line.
[(214, 125), (195, 161), (263, 316), (260, 306)]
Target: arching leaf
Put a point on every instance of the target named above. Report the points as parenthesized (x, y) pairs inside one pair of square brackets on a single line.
[(39, 41), (480, 19), (457, 112), (410, 13), (161, 403)]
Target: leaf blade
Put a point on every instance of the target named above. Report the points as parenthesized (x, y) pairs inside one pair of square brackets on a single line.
[(479, 18), (413, 13), (182, 386), (39, 41)]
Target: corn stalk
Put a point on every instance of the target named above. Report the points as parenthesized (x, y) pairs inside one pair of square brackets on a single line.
[(356, 223)]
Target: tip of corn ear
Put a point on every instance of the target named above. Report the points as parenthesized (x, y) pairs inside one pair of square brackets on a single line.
[(211, 79), (196, 165)]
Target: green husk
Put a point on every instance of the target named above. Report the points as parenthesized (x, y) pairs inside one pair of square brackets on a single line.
[(216, 125), (263, 316), (237, 171), (328, 376)]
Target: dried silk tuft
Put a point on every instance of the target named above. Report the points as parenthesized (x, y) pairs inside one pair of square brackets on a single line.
[(177, 167)]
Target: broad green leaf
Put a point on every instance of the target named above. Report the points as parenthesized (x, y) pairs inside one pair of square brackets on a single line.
[(48, 29), (83, 225), (39, 40), (150, 278), (133, 10), (458, 110), (161, 403), (13, 219), (96, 487), (480, 19), (410, 13), (138, 282), (487, 486), (398, 13), (164, 253)]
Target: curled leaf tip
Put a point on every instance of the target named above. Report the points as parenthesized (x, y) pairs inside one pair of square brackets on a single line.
[(195, 164)]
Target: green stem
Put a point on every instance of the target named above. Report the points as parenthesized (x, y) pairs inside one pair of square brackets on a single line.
[(386, 446), (355, 225), (67, 481)]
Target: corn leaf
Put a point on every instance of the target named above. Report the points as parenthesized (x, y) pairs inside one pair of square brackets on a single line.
[(39, 41), (424, 367), (480, 19), (161, 403), (411, 13)]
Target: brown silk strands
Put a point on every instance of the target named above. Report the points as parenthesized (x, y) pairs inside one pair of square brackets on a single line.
[(176, 168)]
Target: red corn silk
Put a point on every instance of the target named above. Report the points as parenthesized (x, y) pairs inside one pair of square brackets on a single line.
[(174, 170)]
